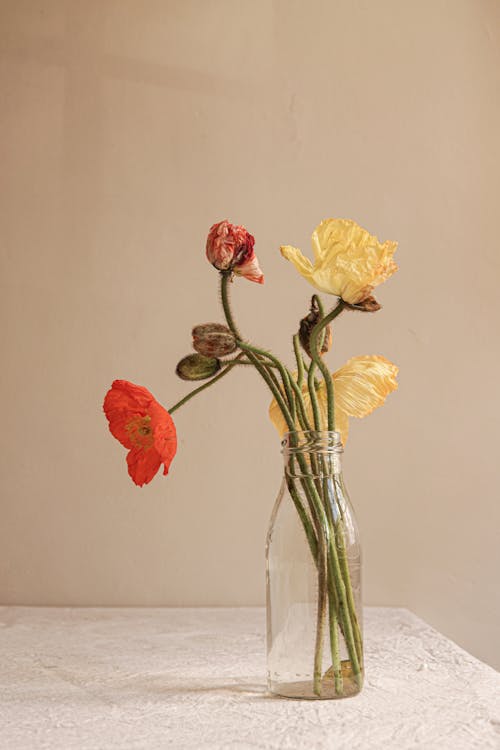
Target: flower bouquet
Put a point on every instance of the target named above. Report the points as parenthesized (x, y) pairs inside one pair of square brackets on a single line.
[(315, 645)]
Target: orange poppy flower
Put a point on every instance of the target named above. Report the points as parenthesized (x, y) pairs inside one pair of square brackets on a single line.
[(143, 426)]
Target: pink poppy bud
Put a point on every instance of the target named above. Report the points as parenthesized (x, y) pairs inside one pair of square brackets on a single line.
[(230, 248)]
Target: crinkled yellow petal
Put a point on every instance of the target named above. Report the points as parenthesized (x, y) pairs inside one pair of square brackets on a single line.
[(301, 263), (361, 385), (364, 383), (349, 262), (277, 418)]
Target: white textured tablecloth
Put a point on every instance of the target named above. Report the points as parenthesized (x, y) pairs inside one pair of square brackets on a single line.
[(106, 679)]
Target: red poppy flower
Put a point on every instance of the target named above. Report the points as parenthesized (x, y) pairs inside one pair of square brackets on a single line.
[(141, 424)]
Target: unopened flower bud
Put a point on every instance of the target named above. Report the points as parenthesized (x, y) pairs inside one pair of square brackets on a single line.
[(306, 326), (213, 340), (369, 304), (197, 367)]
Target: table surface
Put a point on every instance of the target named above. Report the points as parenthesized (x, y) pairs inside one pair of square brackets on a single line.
[(100, 679)]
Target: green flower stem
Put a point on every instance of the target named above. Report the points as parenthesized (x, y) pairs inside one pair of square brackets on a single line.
[(301, 411), (324, 542), (319, 302), (320, 621), (311, 382), (317, 507), (318, 510), (318, 360), (309, 531), (269, 367), (336, 573), (210, 382), (333, 609), (305, 425), (306, 523), (349, 594), (285, 375), (316, 298), (321, 561), (241, 362), (334, 637), (253, 354), (300, 360), (339, 574), (225, 277), (346, 575), (258, 364), (300, 408), (261, 367), (321, 523)]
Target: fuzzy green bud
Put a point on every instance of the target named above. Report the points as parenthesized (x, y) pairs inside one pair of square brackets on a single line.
[(197, 367)]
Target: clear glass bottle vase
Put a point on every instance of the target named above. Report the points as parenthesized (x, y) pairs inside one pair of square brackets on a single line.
[(314, 627)]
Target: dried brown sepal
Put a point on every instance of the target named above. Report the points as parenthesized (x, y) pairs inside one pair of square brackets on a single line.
[(213, 340), (197, 367), (369, 304), (306, 326)]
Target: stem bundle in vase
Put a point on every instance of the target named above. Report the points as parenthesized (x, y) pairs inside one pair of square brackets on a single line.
[(306, 401)]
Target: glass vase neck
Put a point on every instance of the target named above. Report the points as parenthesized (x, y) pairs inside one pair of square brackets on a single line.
[(312, 453), (311, 441)]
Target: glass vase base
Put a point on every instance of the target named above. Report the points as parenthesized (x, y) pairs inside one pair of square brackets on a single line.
[(347, 687)]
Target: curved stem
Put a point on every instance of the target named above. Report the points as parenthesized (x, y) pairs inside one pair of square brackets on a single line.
[(241, 362), (210, 382), (318, 360), (299, 359), (224, 295), (313, 397), (285, 375), (259, 365)]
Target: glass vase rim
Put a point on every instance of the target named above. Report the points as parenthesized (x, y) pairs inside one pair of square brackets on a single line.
[(329, 441)]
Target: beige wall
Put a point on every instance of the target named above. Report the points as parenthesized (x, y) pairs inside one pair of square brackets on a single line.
[(127, 128)]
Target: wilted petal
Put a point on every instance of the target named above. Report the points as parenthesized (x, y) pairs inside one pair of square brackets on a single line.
[(360, 386), (250, 270), (301, 263), (363, 384)]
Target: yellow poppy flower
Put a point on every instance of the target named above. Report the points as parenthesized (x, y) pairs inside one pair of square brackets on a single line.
[(348, 261), (360, 386)]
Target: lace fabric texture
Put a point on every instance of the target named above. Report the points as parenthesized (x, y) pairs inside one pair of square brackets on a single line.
[(147, 679)]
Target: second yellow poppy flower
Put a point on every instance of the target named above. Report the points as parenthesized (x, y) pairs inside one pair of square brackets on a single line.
[(348, 261)]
